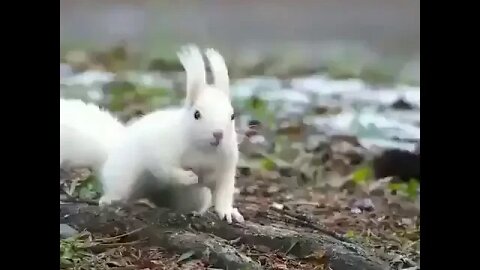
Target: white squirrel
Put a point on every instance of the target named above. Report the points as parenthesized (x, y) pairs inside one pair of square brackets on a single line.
[(183, 145), (87, 134)]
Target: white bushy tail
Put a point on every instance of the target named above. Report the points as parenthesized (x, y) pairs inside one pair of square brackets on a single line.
[(87, 134)]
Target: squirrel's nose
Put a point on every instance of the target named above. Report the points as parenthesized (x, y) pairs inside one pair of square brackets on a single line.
[(218, 135)]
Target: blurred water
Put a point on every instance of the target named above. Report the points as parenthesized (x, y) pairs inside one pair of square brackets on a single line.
[(318, 30), (312, 27), (362, 111)]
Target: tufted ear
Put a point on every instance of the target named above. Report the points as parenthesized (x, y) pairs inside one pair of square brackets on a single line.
[(219, 70), (192, 61)]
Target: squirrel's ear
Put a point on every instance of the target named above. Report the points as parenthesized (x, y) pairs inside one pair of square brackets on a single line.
[(192, 61), (219, 70)]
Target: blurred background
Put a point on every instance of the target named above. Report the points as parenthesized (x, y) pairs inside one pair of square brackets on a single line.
[(327, 93)]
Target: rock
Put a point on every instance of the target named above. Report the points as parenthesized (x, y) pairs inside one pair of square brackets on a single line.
[(401, 104), (66, 231), (402, 164)]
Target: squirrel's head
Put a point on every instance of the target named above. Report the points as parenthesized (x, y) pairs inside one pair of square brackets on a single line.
[(209, 112)]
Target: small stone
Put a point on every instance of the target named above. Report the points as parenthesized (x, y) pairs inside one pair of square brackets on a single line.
[(364, 204), (278, 206), (356, 210), (273, 189)]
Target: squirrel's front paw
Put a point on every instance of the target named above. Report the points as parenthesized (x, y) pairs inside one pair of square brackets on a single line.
[(187, 178), (229, 212)]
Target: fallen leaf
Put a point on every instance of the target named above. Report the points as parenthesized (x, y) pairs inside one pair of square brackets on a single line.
[(186, 255), (268, 164), (362, 175)]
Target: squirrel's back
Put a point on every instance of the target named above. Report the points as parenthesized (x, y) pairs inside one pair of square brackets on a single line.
[(87, 133), (161, 125)]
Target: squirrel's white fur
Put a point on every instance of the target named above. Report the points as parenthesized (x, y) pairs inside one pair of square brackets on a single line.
[(178, 145), (87, 134)]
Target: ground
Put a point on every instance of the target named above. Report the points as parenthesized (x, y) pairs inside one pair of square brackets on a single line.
[(308, 192), (303, 228)]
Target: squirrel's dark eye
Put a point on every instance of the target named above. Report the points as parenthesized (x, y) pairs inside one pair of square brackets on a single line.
[(197, 115), (233, 116)]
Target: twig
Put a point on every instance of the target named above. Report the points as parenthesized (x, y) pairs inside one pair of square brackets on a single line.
[(120, 244), (302, 203), (307, 222), (106, 239), (291, 247)]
